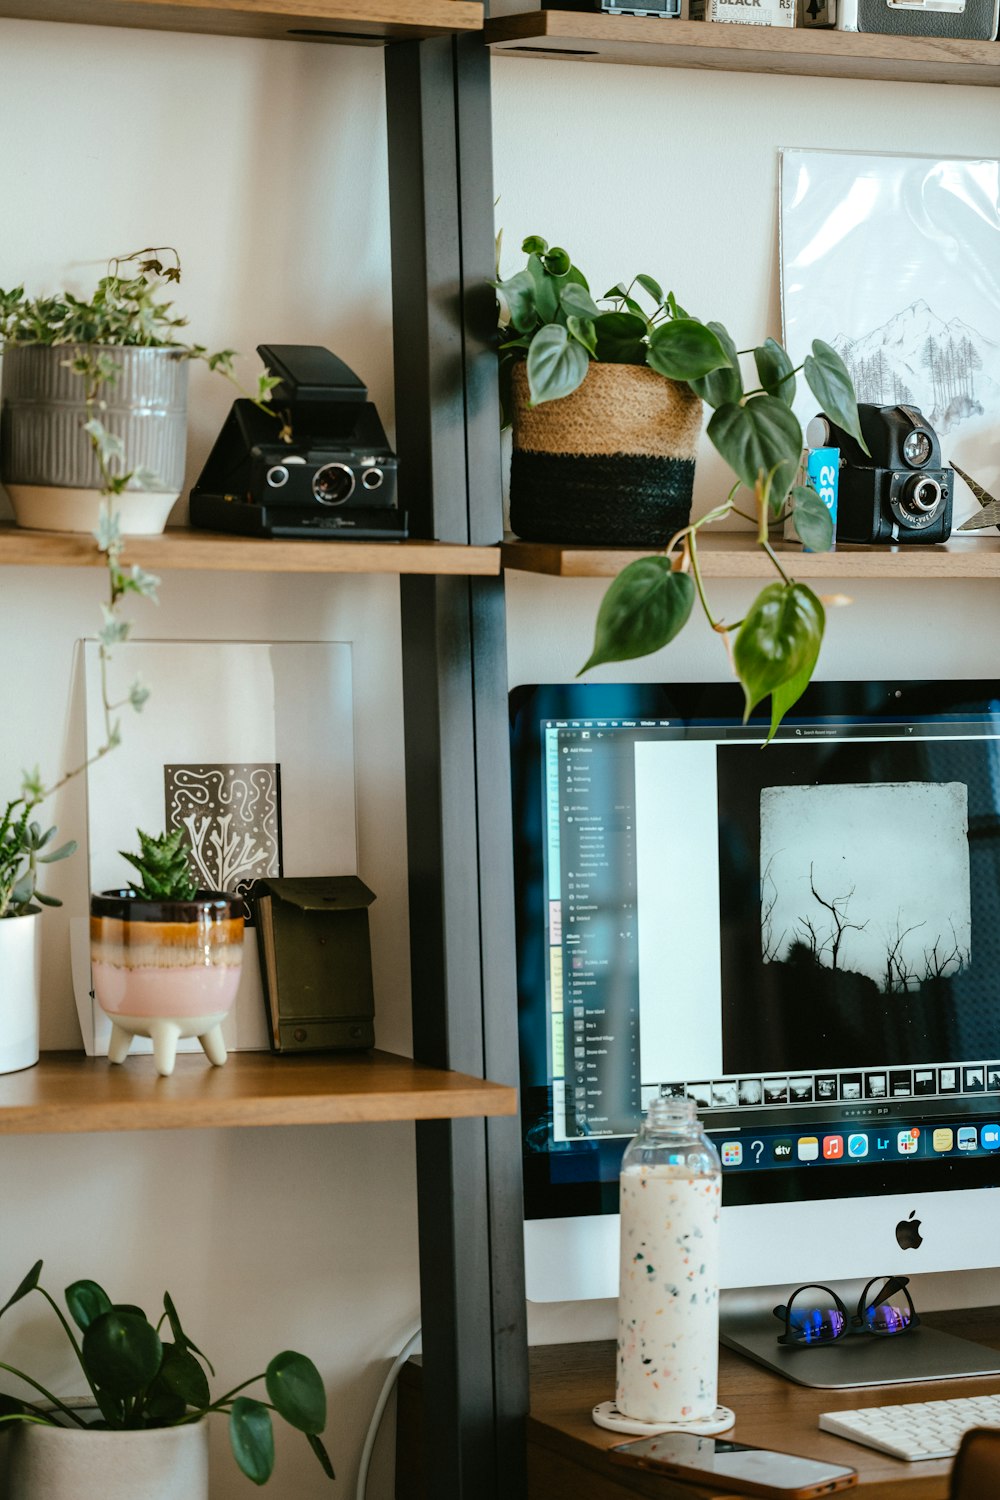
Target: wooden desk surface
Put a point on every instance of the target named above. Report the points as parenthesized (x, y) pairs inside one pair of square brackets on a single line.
[(566, 1452)]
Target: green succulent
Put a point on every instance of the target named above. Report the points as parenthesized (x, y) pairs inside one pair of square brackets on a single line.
[(163, 866)]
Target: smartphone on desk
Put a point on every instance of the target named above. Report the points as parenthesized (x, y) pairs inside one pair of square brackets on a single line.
[(735, 1466)]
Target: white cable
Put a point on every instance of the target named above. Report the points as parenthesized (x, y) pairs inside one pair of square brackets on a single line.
[(412, 1339)]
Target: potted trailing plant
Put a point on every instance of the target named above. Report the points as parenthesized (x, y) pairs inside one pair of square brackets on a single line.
[(142, 1432), (554, 340), (165, 957), (87, 380)]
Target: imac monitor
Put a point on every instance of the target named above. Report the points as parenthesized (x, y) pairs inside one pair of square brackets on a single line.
[(805, 938)]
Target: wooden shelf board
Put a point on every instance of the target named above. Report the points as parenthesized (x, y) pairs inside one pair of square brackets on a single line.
[(582, 37), (735, 555), (359, 21), (68, 1092), (182, 547)]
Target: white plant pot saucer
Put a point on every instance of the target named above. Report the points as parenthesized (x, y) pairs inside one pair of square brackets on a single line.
[(42, 507), (606, 1414)]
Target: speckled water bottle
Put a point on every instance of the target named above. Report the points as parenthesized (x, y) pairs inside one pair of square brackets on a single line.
[(668, 1300)]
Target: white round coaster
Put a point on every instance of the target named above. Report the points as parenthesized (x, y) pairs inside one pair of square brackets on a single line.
[(606, 1414)]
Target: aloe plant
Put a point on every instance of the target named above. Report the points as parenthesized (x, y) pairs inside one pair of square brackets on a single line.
[(549, 319), (163, 866), (139, 1379)]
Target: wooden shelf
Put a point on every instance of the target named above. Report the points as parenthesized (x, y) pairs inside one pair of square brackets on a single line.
[(581, 37), (181, 547), (359, 21), (736, 555), (68, 1092)]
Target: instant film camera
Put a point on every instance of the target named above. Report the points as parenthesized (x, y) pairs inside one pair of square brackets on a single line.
[(336, 478), (901, 491)]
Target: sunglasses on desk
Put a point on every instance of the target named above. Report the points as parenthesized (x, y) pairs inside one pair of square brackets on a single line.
[(816, 1315)]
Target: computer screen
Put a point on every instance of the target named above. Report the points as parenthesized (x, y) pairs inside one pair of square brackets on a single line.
[(805, 938)]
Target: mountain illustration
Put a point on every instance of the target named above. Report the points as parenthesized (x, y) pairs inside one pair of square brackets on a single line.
[(947, 369)]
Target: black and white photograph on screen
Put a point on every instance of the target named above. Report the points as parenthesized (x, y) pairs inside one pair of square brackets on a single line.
[(751, 1091), (973, 1080), (948, 1080), (850, 1085), (895, 970), (993, 1078), (800, 1090), (876, 1086), (901, 1083), (701, 1093), (826, 1086), (775, 1090), (673, 1090), (724, 1093), (925, 1080)]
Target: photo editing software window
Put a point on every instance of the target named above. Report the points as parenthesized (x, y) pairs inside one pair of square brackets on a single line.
[(805, 939)]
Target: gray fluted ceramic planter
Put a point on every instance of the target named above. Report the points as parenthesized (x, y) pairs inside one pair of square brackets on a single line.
[(47, 464)]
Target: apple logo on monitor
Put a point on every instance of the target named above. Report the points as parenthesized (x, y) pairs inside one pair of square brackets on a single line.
[(908, 1235)]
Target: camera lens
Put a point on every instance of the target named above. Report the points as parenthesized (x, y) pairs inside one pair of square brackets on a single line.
[(923, 494), (277, 476), (916, 448), (333, 484)]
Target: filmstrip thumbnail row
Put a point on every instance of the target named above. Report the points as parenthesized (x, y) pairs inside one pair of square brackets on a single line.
[(947, 1079)]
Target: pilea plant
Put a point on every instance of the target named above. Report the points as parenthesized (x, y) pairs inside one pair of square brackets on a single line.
[(139, 1379), (164, 866), (549, 318)]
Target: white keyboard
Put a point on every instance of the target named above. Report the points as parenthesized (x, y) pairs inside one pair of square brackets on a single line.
[(918, 1430)]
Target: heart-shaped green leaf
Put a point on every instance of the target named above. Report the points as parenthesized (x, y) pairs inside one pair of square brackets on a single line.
[(831, 384), (644, 608), (757, 437), (812, 521), (685, 349), (294, 1385), (778, 642), (726, 383), (518, 293), (251, 1438), (27, 1285), (576, 299), (534, 245), (775, 371), (652, 287), (556, 261), (122, 1353), (621, 338), (583, 330), (557, 364), (786, 696), (86, 1301), (546, 290)]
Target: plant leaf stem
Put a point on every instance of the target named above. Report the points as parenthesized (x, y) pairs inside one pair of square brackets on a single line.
[(67, 1411)]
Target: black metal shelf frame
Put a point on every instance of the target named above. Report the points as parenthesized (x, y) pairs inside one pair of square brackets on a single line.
[(457, 765)]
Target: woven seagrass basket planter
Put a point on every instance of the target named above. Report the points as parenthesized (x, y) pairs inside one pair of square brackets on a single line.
[(611, 465)]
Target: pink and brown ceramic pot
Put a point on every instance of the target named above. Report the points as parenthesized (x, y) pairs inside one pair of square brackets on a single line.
[(166, 969)]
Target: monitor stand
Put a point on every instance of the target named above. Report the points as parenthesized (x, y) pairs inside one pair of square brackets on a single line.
[(748, 1325)]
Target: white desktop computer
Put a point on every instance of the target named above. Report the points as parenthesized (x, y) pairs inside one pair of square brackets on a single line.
[(805, 938)]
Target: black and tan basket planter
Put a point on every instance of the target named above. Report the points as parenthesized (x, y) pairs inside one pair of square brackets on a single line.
[(611, 465)]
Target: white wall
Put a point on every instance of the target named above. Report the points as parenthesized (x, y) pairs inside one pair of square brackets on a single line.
[(675, 173)]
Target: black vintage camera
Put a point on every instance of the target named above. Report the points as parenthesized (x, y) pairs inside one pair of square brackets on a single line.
[(336, 478), (902, 492)]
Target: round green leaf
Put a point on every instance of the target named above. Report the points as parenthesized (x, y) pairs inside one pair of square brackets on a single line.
[(684, 349), (122, 1353), (534, 245), (757, 436), (726, 383), (778, 641), (294, 1386), (576, 299), (27, 1285), (812, 521), (652, 287), (775, 371), (251, 1438), (557, 364), (86, 1301), (645, 607), (621, 338), (831, 384), (583, 330), (183, 1375)]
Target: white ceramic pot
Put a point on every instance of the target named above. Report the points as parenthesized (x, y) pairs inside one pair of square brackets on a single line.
[(19, 992), (72, 1463)]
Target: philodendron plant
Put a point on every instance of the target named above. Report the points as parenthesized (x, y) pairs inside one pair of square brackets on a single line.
[(140, 1380), (549, 318)]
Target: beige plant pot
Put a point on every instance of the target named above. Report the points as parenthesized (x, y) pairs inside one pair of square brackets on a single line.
[(72, 1463), (610, 465)]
